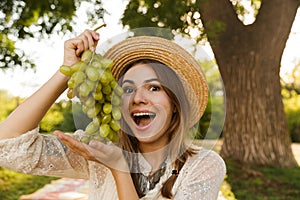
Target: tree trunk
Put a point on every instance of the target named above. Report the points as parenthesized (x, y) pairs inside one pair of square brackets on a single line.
[(249, 58)]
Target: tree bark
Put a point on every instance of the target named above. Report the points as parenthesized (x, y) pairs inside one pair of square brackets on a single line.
[(249, 58)]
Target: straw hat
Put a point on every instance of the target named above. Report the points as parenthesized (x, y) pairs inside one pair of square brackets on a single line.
[(170, 54)]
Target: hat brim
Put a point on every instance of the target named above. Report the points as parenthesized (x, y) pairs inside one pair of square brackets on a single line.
[(173, 56)]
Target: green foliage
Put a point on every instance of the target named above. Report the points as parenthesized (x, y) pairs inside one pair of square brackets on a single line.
[(67, 124), (214, 28), (291, 99), (62, 115), (181, 16), (21, 19), (242, 11), (14, 184), (73, 117), (65, 116), (292, 110), (8, 54), (291, 82), (226, 190), (7, 104), (211, 123), (256, 183), (52, 118)]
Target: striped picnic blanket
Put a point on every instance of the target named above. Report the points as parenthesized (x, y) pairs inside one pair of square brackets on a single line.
[(61, 189)]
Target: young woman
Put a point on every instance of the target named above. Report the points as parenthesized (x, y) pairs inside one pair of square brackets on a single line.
[(165, 94)]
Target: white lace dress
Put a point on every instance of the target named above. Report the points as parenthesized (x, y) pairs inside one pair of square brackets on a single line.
[(34, 153)]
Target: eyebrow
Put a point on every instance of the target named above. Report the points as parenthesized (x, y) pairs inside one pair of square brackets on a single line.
[(146, 81)]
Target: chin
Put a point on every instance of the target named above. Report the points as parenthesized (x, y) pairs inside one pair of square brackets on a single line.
[(144, 138)]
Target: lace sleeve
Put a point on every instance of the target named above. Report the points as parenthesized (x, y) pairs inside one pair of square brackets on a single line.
[(34, 153), (201, 177)]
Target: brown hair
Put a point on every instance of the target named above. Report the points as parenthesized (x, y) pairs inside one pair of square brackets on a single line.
[(177, 130)]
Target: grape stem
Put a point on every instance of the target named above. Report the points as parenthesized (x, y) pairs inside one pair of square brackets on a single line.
[(97, 28)]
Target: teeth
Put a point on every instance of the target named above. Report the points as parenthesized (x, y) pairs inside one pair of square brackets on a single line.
[(143, 114)]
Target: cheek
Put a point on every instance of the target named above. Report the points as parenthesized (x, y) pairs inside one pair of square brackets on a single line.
[(125, 108), (166, 102)]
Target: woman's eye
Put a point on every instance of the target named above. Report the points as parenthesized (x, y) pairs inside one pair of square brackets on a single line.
[(154, 88), (128, 90)]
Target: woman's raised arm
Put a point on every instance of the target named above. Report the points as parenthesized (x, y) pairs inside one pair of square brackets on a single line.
[(28, 115)]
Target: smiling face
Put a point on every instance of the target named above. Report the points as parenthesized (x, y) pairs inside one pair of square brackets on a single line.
[(146, 107)]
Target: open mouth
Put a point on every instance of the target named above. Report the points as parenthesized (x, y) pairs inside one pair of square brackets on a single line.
[(143, 118)]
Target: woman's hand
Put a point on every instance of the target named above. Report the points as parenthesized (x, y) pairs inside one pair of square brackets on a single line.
[(107, 154), (74, 47)]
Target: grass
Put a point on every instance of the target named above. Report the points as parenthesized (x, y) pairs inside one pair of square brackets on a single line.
[(263, 183), (14, 184), (241, 182)]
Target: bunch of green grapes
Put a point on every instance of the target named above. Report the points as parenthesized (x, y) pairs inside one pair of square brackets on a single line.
[(92, 82)]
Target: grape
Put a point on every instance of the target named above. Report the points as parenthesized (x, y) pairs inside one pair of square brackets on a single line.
[(66, 70), (92, 128), (113, 136), (71, 83), (105, 77), (70, 93), (91, 80), (116, 113), (106, 63), (106, 118), (86, 56), (106, 89), (113, 84), (98, 96), (78, 66), (92, 73), (118, 91), (107, 108), (115, 125), (79, 77), (85, 139), (104, 130), (89, 102), (84, 89), (116, 101), (96, 64), (91, 84)]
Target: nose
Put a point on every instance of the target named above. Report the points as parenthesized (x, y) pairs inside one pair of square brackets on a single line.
[(140, 96)]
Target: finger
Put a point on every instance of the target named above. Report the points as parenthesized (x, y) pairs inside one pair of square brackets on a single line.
[(85, 40), (91, 38), (82, 42), (67, 140), (96, 37), (80, 45), (74, 145), (108, 154), (97, 148), (95, 144), (75, 44)]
